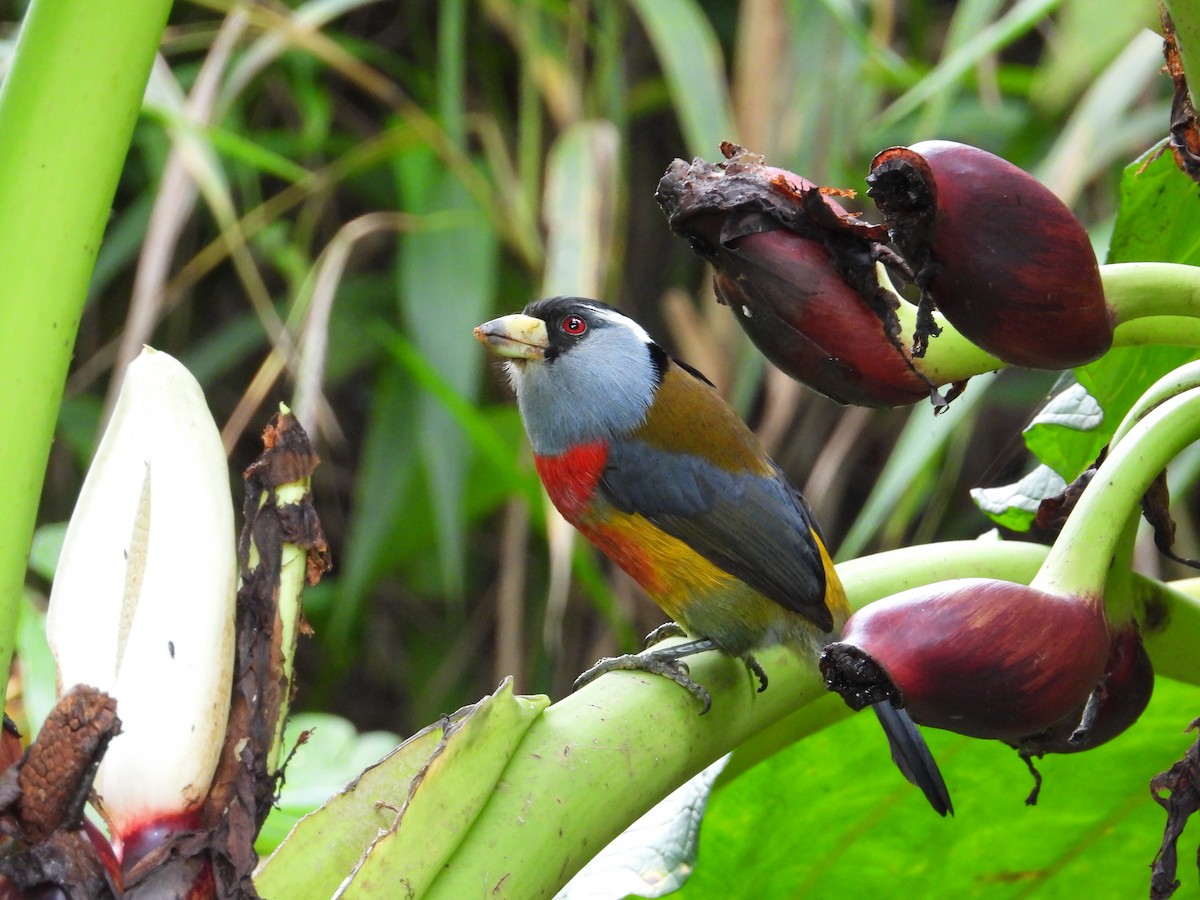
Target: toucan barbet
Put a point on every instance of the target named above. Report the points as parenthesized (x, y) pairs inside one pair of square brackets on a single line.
[(642, 455)]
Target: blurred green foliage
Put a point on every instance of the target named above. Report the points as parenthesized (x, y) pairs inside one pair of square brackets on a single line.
[(324, 197), (315, 185)]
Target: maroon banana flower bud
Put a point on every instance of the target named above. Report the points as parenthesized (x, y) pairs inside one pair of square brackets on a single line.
[(799, 273), (796, 308), (984, 658), (996, 252), (1118, 700)]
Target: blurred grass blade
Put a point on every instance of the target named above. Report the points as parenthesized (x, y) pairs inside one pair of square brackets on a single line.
[(1113, 121), (691, 59), (578, 209), (918, 448), (970, 17), (1021, 18), (386, 475), (447, 280), (191, 161), (38, 670), (313, 308), (307, 17), (494, 446), (1084, 44)]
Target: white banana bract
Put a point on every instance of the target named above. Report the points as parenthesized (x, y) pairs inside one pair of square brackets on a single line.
[(142, 605)]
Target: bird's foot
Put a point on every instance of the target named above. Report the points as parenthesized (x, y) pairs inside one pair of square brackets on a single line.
[(665, 662), (757, 671), (662, 632)]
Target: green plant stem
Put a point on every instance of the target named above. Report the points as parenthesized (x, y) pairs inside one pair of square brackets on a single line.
[(1080, 560), (601, 757), (1169, 616), (1118, 590), (67, 110), (1119, 593), (1140, 290), (293, 570), (1174, 383), (1153, 303), (1158, 331)]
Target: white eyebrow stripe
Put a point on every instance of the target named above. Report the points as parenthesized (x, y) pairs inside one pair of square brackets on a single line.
[(616, 318)]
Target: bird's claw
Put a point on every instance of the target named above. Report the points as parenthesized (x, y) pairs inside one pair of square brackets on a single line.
[(662, 632), (656, 665), (756, 670)]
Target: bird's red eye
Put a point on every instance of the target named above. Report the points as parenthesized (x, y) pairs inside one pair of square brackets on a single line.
[(574, 325)]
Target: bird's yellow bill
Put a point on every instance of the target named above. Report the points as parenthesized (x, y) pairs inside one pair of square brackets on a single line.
[(516, 337)]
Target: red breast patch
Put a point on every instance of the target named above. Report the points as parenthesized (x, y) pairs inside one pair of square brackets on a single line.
[(571, 478)]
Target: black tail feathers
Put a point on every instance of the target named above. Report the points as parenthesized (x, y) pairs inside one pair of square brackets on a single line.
[(912, 756)]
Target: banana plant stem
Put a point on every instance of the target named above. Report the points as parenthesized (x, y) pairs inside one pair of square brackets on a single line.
[(68, 106), (1080, 560), (1152, 303)]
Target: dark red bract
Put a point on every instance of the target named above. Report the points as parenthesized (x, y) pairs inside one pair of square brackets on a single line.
[(805, 318), (1119, 699), (1003, 259), (799, 273), (985, 658)]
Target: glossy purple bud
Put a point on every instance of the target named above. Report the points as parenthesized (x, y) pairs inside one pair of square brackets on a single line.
[(1003, 259), (799, 273), (981, 657)]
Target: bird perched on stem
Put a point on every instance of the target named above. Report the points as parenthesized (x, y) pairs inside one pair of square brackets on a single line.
[(644, 458)]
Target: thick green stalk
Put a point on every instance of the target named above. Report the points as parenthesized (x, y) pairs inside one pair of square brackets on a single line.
[(1148, 302), (595, 761), (1138, 290), (1120, 594), (67, 111), (1079, 561)]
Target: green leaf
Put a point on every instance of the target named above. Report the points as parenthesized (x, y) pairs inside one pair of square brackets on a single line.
[(1111, 384), (324, 846), (832, 812), (655, 855), (1069, 433), (1159, 215), (1015, 505), (1066, 433)]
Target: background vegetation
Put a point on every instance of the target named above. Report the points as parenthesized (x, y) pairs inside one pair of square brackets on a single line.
[(323, 198)]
